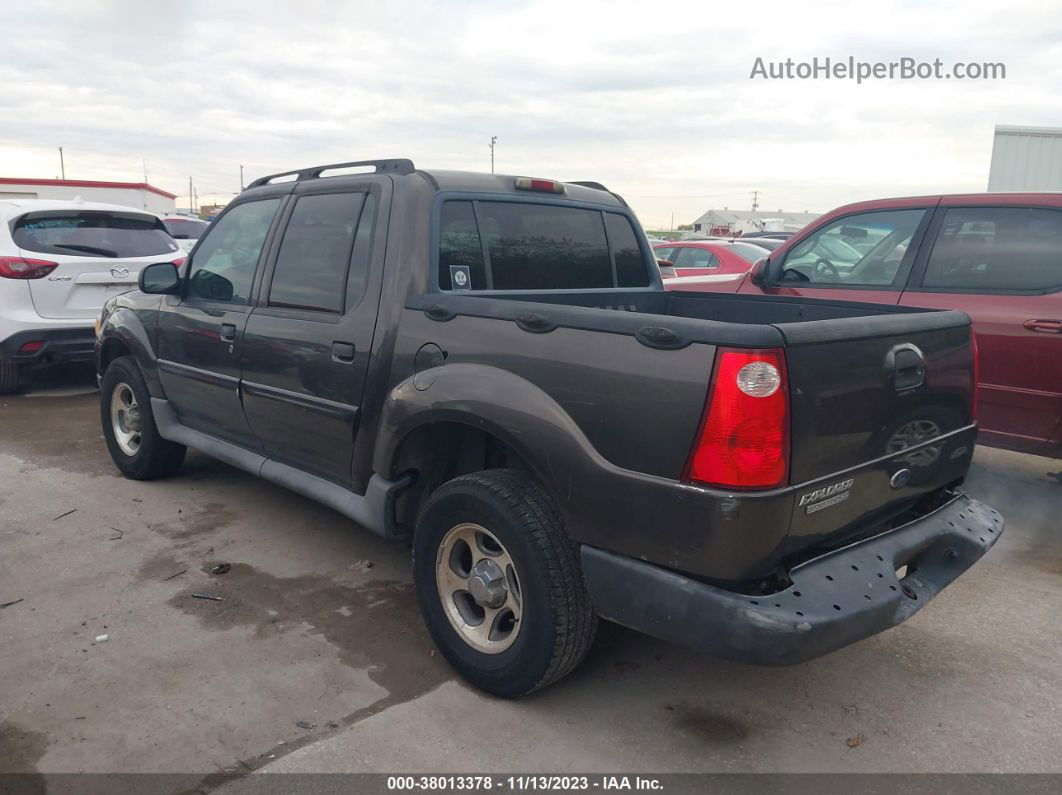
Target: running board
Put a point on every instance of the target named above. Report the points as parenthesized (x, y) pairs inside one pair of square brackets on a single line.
[(375, 509)]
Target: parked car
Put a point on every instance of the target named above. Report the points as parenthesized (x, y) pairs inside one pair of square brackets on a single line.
[(997, 257), (769, 243), (559, 437), (185, 230), (698, 258), (59, 261)]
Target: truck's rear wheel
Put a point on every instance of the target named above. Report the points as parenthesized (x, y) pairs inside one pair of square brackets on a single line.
[(9, 376), (129, 426), (500, 584)]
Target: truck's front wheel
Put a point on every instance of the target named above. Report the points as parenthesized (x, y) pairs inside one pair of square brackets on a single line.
[(133, 440), (499, 583)]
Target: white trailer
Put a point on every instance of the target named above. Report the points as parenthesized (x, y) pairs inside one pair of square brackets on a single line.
[(1026, 159)]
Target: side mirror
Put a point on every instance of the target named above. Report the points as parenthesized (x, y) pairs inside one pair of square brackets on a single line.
[(758, 272), (667, 268), (160, 278)]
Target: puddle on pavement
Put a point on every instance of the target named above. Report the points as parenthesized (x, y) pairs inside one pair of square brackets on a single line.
[(375, 627), (20, 750), (711, 727), (189, 523)]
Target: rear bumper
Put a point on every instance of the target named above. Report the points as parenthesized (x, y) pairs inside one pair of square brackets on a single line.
[(834, 600), (59, 344)]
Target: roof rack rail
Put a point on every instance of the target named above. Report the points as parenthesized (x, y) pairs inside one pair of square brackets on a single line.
[(400, 165), (599, 186), (594, 185)]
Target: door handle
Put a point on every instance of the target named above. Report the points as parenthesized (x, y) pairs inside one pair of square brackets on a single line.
[(228, 332), (1047, 326), (343, 352)]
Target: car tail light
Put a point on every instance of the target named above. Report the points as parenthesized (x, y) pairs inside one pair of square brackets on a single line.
[(743, 442), (541, 185), (23, 268), (976, 375), (179, 261)]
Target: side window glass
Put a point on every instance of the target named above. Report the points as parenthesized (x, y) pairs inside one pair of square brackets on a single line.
[(224, 264), (864, 250), (630, 264), (664, 253), (459, 247), (997, 248), (315, 252), (361, 257), (694, 257)]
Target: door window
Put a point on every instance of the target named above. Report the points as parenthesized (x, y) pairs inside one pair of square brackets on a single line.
[(224, 264), (694, 257), (362, 255), (315, 254), (664, 253), (989, 249), (865, 250)]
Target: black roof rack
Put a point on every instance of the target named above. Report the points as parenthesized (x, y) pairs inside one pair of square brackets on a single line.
[(594, 185), (399, 165)]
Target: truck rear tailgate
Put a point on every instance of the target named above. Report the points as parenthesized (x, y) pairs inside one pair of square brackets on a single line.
[(868, 395)]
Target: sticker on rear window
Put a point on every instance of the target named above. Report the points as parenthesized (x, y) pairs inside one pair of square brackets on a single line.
[(460, 277)]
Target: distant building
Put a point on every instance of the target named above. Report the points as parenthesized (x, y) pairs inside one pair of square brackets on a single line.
[(1026, 159), (209, 211), (747, 222), (131, 194)]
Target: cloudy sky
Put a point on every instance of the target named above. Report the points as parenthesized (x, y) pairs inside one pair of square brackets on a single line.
[(652, 99)]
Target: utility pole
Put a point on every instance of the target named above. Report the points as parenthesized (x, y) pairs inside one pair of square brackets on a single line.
[(755, 200), (144, 162), (191, 197), (493, 141), (672, 222), (241, 177), (62, 166)]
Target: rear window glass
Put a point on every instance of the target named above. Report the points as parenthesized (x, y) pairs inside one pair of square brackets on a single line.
[(93, 234), (996, 248), (750, 252), (185, 228), (523, 246)]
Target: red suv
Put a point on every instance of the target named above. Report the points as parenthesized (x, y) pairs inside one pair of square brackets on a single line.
[(997, 257)]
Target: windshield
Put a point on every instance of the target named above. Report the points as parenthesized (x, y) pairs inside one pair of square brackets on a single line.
[(92, 233), (185, 228)]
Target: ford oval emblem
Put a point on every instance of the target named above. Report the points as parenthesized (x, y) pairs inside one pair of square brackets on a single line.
[(900, 478)]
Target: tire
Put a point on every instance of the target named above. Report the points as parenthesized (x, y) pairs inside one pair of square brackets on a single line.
[(556, 623), (9, 378), (150, 456)]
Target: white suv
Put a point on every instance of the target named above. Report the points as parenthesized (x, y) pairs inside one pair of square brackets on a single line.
[(185, 230), (59, 261)]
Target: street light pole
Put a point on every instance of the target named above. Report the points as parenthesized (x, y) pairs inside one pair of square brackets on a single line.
[(493, 141), (62, 166)]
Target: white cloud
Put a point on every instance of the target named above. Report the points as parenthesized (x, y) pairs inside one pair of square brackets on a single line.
[(654, 100)]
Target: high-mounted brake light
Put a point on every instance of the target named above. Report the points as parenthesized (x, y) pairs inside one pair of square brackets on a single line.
[(23, 268), (743, 442), (541, 185)]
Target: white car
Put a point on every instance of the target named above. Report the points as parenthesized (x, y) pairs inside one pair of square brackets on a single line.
[(59, 261), (185, 230)]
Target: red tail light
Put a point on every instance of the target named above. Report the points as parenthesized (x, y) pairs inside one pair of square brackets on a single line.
[(179, 261), (976, 375), (743, 442), (22, 268)]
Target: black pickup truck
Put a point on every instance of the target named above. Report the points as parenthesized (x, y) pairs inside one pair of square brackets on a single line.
[(489, 367)]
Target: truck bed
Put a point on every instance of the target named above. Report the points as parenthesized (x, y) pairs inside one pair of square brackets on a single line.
[(632, 369)]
